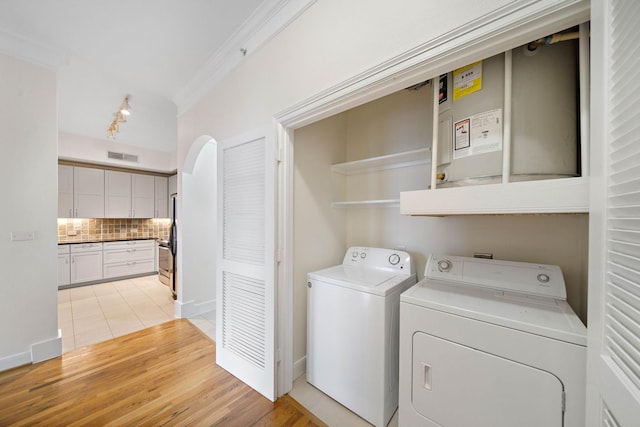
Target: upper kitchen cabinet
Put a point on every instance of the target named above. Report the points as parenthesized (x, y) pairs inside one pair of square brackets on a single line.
[(512, 133), (173, 184), (80, 192), (129, 195), (65, 191), (162, 197)]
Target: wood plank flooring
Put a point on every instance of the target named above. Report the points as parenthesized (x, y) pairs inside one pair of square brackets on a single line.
[(163, 375)]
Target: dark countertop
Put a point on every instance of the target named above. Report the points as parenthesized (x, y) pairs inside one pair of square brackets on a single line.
[(108, 240)]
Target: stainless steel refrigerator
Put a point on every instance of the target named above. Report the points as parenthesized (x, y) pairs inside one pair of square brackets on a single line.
[(167, 252)]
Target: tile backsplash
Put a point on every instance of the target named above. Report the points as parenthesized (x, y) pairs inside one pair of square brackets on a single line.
[(99, 230)]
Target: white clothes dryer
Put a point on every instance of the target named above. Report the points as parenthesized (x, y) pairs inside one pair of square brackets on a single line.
[(489, 343), (353, 330)]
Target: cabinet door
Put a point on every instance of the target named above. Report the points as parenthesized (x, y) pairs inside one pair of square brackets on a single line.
[(173, 184), (88, 192), (143, 195), (117, 198), (162, 197), (65, 191), (64, 271), (86, 266)]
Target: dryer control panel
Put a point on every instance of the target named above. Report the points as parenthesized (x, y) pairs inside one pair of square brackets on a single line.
[(540, 280), (378, 258)]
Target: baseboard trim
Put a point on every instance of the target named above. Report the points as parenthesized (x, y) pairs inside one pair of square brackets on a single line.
[(48, 349), (192, 308), (15, 360), (299, 367)]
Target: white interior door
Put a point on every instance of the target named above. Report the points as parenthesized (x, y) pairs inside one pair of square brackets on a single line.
[(245, 273), (614, 279)]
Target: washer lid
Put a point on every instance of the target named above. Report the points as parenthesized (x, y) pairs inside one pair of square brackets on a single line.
[(542, 316), (370, 280)]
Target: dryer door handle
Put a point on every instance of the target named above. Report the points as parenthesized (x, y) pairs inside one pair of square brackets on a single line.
[(426, 376)]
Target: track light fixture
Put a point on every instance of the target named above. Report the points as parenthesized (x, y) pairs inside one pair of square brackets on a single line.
[(119, 117)]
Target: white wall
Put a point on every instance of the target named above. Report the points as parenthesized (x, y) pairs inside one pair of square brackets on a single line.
[(330, 43), (197, 234), (84, 149), (28, 171), (319, 229)]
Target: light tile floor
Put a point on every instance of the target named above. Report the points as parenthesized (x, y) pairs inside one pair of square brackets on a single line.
[(96, 313)]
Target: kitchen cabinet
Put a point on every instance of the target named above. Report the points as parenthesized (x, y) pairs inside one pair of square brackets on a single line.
[(64, 269), (65, 191), (86, 262), (80, 192), (173, 184), (129, 195), (128, 258), (162, 197)]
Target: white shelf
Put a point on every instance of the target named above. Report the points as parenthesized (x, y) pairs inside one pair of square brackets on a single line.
[(367, 203), (391, 161), (552, 196)]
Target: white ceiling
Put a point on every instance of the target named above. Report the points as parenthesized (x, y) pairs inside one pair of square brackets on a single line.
[(148, 49)]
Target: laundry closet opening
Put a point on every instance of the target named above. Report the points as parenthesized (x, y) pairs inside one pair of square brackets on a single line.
[(350, 168)]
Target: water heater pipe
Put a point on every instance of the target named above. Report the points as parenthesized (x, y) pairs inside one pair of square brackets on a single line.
[(552, 39), (434, 135), (506, 119)]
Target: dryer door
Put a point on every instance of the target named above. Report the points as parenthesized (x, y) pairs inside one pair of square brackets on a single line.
[(455, 385)]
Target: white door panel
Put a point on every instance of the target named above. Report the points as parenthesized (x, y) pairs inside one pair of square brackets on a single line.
[(614, 264), (245, 312)]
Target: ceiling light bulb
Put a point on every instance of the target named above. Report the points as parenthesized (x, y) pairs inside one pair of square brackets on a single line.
[(124, 108), (120, 117)]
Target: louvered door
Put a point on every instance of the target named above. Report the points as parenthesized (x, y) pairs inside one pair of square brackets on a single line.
[(245, 335), (614, 321)]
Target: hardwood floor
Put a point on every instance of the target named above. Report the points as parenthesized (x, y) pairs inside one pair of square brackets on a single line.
[(163, 375)]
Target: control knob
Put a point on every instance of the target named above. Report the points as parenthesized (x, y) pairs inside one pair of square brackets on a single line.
[(394, 259), (444, 265)]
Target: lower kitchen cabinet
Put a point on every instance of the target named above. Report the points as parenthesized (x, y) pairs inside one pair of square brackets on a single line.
[(128, 258), (64, 271), (86, 262), (80, 263)]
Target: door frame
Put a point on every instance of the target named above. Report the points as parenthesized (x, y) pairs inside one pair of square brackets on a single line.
[(515, 24)]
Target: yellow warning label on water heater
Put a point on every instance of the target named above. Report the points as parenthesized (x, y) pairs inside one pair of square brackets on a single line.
[(467, 80)]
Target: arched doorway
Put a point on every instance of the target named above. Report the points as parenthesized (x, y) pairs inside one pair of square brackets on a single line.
[(197, 229)]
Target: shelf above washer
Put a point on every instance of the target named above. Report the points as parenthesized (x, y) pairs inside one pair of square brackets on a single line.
[(390, 203), (399, 160)]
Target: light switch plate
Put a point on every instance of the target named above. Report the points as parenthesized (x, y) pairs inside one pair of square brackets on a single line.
[(17, 236)]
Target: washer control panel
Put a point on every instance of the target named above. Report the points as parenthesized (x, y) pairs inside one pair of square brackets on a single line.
[(541, 280), (384, 259)]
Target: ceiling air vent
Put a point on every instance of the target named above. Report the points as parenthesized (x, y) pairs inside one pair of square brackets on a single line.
[(123, 156)]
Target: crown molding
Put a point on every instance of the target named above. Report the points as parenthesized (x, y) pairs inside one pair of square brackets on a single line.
[(482, 37), (271, 17), (20, 47)]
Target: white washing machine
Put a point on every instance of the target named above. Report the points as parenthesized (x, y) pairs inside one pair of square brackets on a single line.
[(353, 327), (489, 343)]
